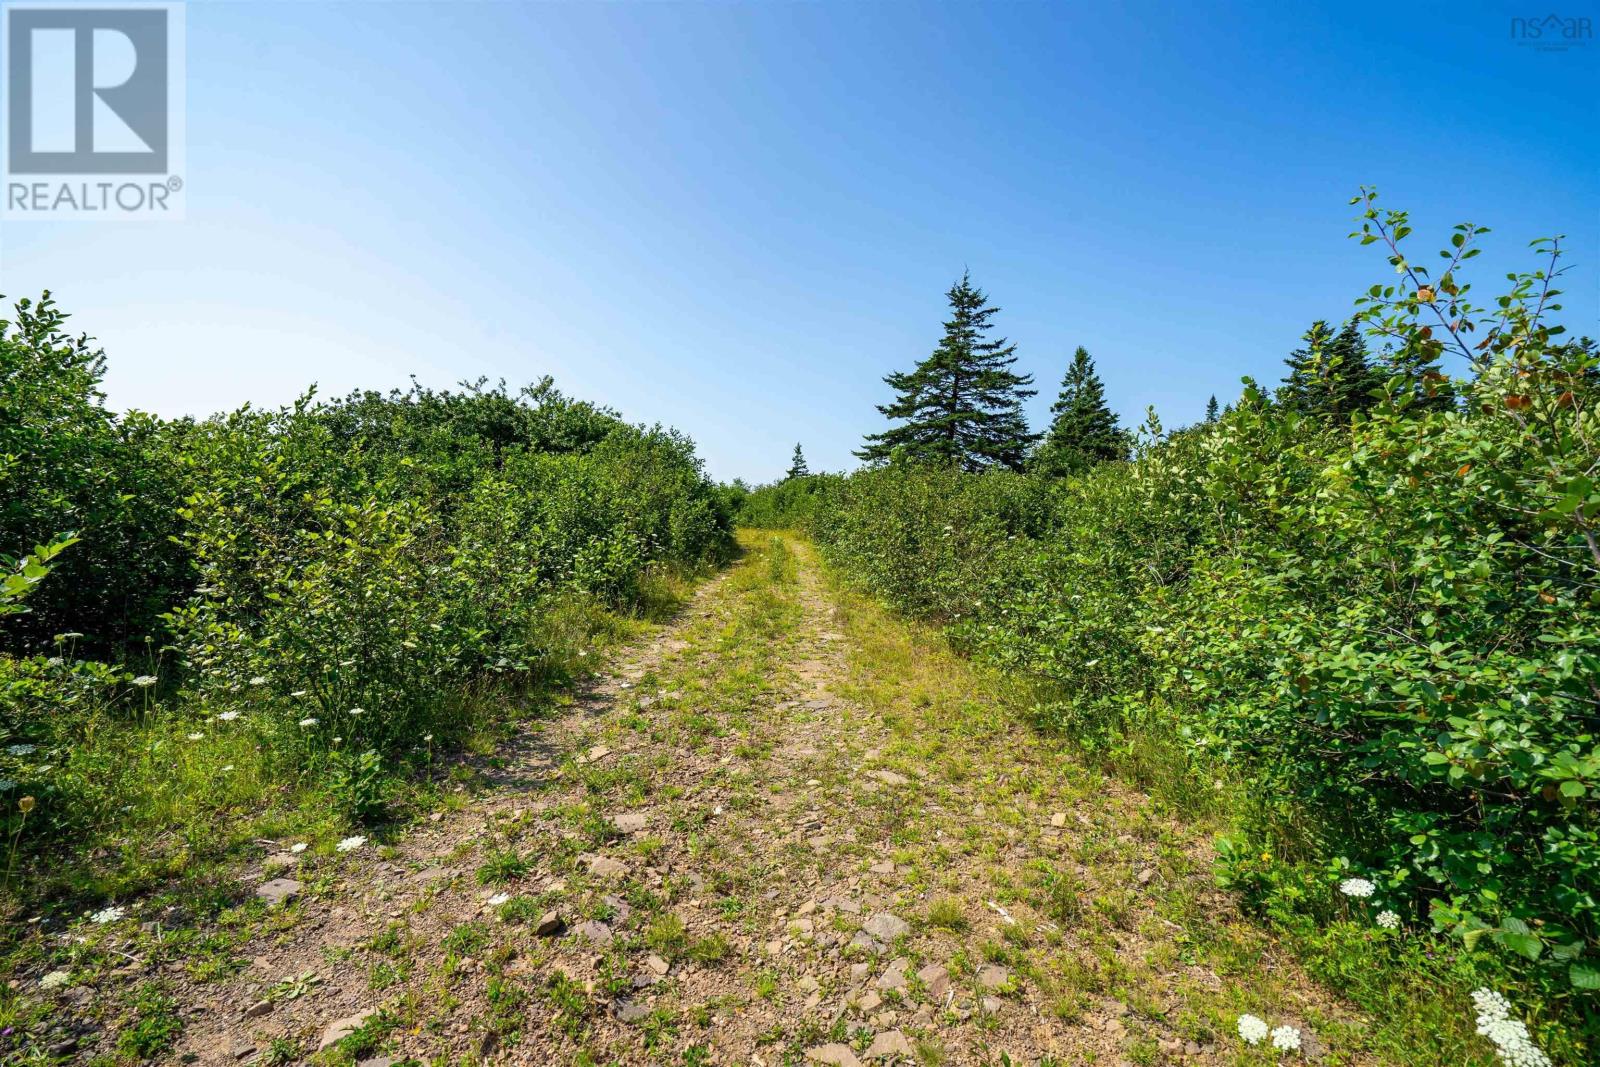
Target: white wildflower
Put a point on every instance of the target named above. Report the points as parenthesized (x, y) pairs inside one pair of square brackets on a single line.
[(227, 767), (358, 711), (1286, 1038), (7, 785), (1509, 1036), (1252, 1029), (258, 680), (55, 980), (428, 738), (498, 899), (350, 844), (298, 847), (1357, 887), (107, 915), (144, 681), (22, 750), (1388, 920), (197, 737), (228, 716), (308, 721), (298, 693)]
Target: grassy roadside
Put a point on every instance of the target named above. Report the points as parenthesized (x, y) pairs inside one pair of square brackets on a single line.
[(193, 796), (1161, 939)]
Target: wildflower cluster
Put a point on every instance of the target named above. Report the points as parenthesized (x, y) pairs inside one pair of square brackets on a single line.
[(1253, 1030), (1509, 1036), (1359, 888)]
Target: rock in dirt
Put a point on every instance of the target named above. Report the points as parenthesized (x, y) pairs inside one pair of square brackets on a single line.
[(887, 1044), (836, 1055), (340, 1029), (891, 778), (631, 822), (630, 1011), (882, 867), (279, 890), (280, 861), (936, 978), (595, 932), (258, 1009), (549, 924), (604, 866), (657, 964), (886, 927), (992, 977), (894, 975)]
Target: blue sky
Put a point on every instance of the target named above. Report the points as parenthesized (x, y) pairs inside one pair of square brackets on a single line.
[(735, 218)]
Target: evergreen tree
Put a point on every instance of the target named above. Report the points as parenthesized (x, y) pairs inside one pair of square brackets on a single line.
[(1083, 430), (797, 464), (963, 404), (1331, 376), (1211, 408)]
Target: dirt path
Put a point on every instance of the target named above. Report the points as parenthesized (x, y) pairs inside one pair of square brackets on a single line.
[(784, 830)]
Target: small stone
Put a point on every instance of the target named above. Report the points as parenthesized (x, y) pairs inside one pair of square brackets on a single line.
[(801, 929), (891, 778), (598, 752), (1058, 820), (868, 1002), (886, 927), (595, 932), (865, 942), (340, 1029), (378, 1061), (258, 1009), (992, 1004), (279, 861), (549, 924), (894, 976), (835, 1055), (279, 890), (992, 977), (631, 822), (936, 978), (1145, 876), (604, 866), (882, 867), (887, 1044), (657, 964), (630, 1011), (429, 875), (807, 908), (436, 816)]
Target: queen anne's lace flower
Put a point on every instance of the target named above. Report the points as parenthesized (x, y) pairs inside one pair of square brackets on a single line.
[(1357, 887), (308, 721), (144, 681), (1252, 1029), (1388, 920), (228, 716), (1509, 1036), (350, 844), (22, 750), (197, 737), (258, 680), (298, 847), (107, 915), (54, 980), (498, 899), (1286, 1038)]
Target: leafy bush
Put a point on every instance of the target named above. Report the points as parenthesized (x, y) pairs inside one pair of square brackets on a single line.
[(313, 597), (1388, 627)]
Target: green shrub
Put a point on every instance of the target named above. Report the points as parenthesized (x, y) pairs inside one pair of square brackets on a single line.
[(1386, 630)]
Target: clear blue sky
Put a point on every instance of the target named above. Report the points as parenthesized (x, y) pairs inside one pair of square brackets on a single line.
[(735, 218)]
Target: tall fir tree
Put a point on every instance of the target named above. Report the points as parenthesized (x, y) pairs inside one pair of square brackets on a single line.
[(1211, 408), (1083, 429), (1331, 376), (797, 464), (963, 404)]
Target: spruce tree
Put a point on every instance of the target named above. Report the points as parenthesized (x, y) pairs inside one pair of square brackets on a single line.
[(1211, 408), (1083, 430), (1331, 376), (797, 464), (963, 404)]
